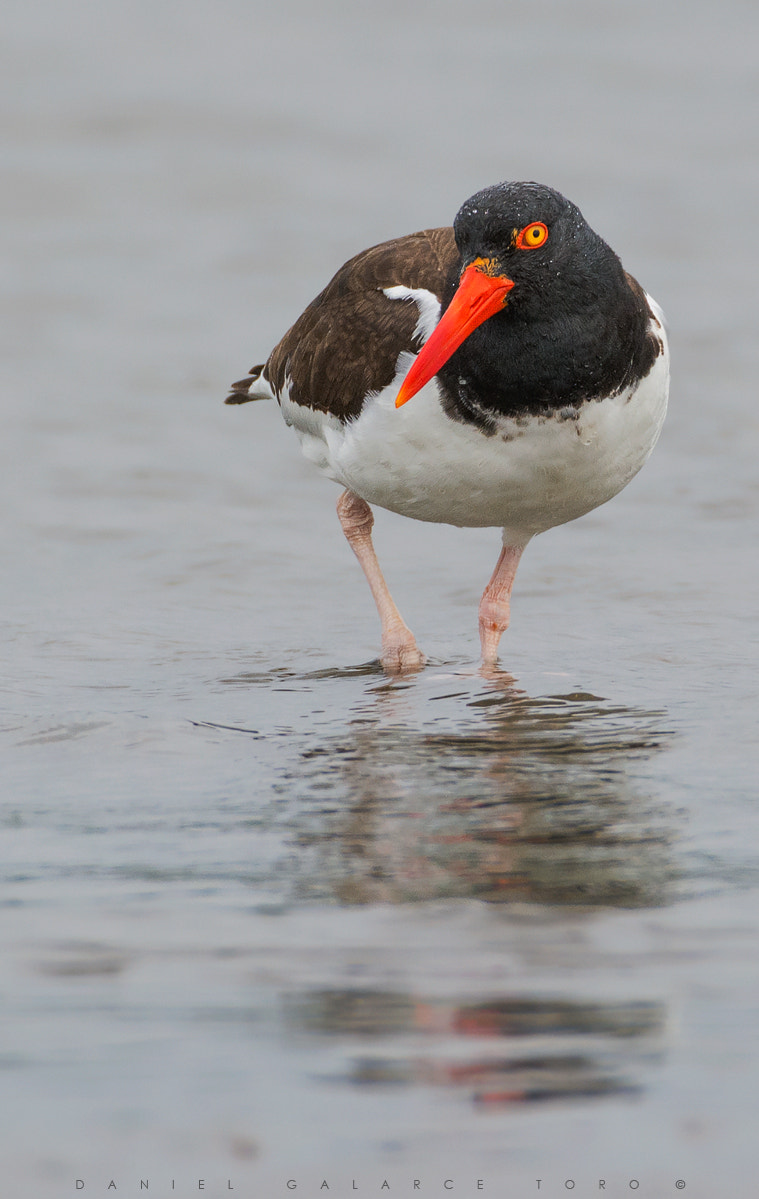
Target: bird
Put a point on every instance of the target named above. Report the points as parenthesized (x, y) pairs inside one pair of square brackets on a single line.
[(504, 372)]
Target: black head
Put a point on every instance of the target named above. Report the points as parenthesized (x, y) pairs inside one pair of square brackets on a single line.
[(488, 218), (538, 312), (537, 238)]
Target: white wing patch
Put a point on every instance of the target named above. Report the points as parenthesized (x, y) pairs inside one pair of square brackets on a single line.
[(426, 302), (656, 312), (261, 389)]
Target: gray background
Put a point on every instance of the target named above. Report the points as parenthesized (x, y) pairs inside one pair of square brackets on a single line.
[(266, 915)]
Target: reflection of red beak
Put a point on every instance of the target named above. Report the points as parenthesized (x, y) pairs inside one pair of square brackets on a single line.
[(478, 296)]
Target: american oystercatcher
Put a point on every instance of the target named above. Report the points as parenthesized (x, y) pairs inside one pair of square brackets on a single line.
[(506, 372)]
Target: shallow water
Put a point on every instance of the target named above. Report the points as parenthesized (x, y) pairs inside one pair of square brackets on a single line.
[(266, 914)]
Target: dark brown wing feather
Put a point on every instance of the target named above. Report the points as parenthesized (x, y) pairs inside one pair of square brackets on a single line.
[(653, 345), (345, 345), (240, 390)]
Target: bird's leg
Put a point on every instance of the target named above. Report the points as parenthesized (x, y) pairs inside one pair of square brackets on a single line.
[(495, 605), (399, 649)]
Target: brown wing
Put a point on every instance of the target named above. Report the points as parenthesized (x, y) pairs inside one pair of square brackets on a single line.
[(345, 345), (653, 344)]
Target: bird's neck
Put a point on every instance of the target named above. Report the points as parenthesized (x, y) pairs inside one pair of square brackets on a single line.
[(522, 363)]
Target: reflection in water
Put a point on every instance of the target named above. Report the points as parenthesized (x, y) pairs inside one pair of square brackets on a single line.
[(447, 787), (511, 797), (599, 1044)]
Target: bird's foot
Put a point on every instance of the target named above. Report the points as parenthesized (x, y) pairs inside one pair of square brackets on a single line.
[(495, 605), (400, 653), (494, 621)]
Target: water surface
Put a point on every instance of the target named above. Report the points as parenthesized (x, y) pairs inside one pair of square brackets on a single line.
[(267, 914)]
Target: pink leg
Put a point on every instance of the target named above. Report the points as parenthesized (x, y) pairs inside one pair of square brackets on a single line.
[(495, 605), (399, 649)]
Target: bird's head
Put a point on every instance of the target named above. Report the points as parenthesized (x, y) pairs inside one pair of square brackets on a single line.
[(524, 247)]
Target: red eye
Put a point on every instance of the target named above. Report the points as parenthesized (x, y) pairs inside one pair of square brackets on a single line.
[(531, 236)]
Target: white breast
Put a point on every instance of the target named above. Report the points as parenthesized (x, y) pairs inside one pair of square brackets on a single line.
[(531, 474)]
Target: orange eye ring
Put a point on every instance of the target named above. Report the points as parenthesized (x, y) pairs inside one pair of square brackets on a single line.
[(532, 236)]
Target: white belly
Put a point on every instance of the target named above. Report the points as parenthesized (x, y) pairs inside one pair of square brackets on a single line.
[(531, 474)]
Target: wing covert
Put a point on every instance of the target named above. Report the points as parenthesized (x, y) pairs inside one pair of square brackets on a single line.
[(345, 345)]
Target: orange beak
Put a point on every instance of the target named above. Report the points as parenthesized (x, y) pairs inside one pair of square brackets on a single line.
[(478, 296)]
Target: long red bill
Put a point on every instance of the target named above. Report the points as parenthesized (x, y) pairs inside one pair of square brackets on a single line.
[(479, 295)]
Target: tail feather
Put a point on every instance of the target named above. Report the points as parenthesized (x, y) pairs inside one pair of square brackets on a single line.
[(255, 386)]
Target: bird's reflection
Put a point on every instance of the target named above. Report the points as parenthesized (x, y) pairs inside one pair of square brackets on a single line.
[(447, 786), (596, 1049), (540, 799)]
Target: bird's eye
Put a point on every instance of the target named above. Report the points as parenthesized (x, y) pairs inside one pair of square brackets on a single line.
[(531, 236)]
